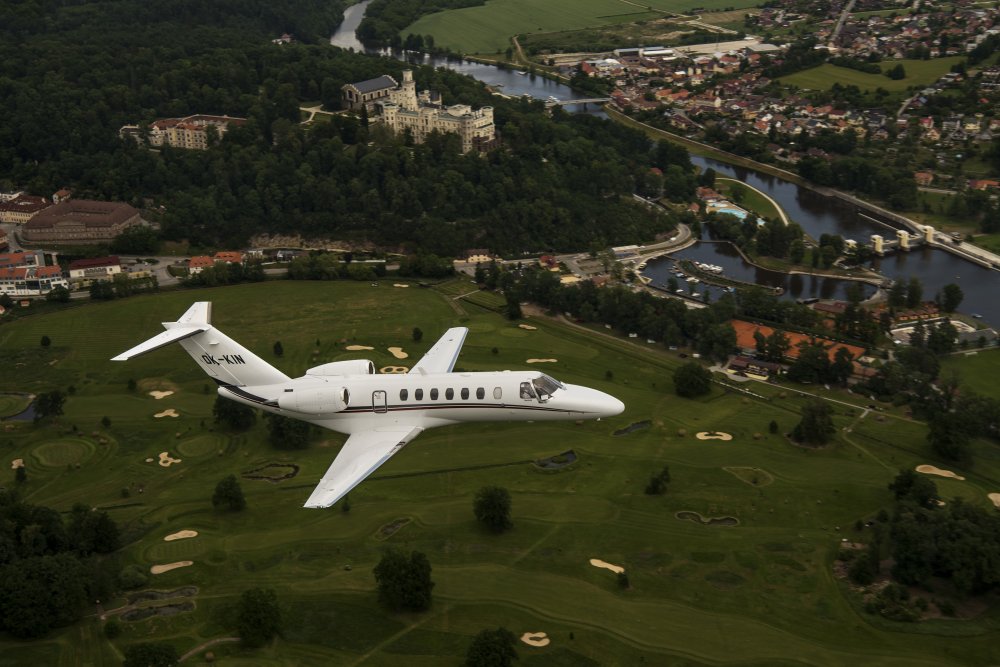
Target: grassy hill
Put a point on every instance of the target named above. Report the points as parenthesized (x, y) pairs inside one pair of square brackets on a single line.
[(918, 73), (758, 593)]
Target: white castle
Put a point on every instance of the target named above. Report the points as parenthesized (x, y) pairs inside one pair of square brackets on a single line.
[(403, 109)]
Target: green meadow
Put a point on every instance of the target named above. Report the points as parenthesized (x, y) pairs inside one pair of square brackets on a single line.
[(489, 28), (761, 592), (918, 73)]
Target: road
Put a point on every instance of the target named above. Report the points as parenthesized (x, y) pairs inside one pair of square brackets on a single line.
[(840, 23)]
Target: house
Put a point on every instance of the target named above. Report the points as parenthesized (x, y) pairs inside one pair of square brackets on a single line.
[(22, 208), (11, 260), (478, 256), (923, 178), (31, 280), (199, 263), (753, 368), (366, 93), (191, 132), (81, 221), (96, 268), (228, 257), (61, 196), (3, 240)]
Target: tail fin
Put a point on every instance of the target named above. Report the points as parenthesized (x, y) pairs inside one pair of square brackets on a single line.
[(220, 356)]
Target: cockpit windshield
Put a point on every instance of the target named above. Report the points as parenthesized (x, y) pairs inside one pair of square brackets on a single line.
[(546, 386)]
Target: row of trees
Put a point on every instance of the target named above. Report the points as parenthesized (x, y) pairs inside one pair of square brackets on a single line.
[(51, 568)]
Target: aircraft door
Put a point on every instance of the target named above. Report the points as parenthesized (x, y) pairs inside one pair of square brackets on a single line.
[(379, 402)]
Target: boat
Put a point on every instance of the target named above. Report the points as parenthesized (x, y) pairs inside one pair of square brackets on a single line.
[(977, 316), (552, 99), (522, 72), (642, 265)]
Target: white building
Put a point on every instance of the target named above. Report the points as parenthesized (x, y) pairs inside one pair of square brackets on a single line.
[(404, 110), (31, 280), (99, 268)]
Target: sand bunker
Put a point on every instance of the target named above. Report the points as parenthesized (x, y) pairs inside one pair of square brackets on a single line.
[(181, 535), (541, 361), (398, 352), (160, 394), (535, 639), (166, 460), (355, 348), (995, 498), (528, 327), (389, 370), (713, 435), (399, 285), (150, 460), (617, 569), (932, 470), (169, 412), (16, 463), (160, 569)]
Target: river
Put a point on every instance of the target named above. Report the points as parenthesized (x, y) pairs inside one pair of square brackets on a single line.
[(816, 213)]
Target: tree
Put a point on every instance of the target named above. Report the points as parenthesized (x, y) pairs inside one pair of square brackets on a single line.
[(692, 380), (258, 617), (492, 648), (492, 508), (279, 350), (58, 295), (404, 583), (287, 433), (151, 654), (910, 485), (658, 482), (49, 404), (950, 298), (418, 335), (46, 341), (897, 294), (228, 494), (948, 437), (816, 426), (234, 415)]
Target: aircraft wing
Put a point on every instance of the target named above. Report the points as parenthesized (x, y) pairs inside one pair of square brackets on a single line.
[(359, 457), (442, 357)]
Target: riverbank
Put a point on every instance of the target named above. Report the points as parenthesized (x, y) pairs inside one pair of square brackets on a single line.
[(966, 251)]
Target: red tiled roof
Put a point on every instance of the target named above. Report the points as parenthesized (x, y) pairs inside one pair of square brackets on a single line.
[(94, 262)]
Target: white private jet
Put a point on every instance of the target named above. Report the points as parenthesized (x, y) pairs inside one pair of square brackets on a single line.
[(379, 413)]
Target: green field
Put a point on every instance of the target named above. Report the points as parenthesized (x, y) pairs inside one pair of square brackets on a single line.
[(489, 28), (918, 73), (761, 593), (978, 370)]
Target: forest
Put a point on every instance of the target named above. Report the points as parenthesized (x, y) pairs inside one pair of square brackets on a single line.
[(71, 83)]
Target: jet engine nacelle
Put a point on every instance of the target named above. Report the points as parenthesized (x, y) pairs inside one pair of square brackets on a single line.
[(355, 367), (315, 400)]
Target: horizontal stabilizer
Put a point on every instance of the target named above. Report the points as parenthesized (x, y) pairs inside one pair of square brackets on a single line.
[(166, 338)]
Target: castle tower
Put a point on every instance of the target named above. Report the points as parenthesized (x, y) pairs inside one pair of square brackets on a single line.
[(904, 239), (928, 234), (877, 244), (408, 91)]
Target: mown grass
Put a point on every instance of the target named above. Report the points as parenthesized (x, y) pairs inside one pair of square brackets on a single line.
[(488, 29), (918, 73), (757, 594)]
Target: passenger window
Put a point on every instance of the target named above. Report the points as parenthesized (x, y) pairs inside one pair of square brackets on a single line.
[(497, 393), (418, 394), (434, 394), (465, 394), (449, 394), (480, 393), (403, 394)]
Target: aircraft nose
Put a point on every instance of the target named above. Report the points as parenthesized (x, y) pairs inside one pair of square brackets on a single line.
[(596, 402), (614, 406)]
